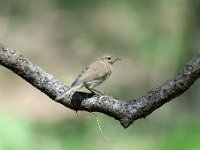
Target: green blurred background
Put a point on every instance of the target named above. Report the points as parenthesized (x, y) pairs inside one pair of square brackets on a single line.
[(154, 37)]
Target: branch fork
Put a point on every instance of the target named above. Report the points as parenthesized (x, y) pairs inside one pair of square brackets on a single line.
[(126, 112)]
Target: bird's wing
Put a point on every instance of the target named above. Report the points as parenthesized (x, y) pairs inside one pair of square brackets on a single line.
[(96, 70)]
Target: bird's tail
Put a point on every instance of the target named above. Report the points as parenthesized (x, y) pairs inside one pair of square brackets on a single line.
[(67, 92), (62, 95)]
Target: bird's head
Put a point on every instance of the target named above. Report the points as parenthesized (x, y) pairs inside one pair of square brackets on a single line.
[(109, 59)]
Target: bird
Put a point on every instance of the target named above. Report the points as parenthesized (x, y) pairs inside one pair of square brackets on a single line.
[(93, 75)]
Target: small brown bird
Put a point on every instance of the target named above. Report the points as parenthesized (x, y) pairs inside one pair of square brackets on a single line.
[(93, 75)]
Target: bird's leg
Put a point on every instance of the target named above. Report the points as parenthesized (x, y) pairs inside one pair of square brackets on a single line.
[(96, 91), (90, 90), (93, 90)]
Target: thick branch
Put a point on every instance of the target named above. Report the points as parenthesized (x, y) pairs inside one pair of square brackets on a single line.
[(124, 111)]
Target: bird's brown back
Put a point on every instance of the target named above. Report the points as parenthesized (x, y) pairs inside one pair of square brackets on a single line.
[(95, 71)]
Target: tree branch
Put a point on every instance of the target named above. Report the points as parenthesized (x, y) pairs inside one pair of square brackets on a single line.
[(124, 111)]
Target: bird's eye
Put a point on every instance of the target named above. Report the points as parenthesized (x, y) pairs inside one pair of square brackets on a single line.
[(109, 58)]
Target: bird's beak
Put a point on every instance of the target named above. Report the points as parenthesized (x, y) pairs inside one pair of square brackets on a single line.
[(116, 59)]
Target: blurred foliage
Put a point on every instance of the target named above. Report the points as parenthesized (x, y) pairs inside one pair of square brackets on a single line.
[(154, 38), (17, 134)]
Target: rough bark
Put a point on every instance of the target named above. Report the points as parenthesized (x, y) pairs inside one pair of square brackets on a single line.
[(124, 111)]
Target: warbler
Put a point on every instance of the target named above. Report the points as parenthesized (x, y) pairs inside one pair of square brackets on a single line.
[(93, 75)]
